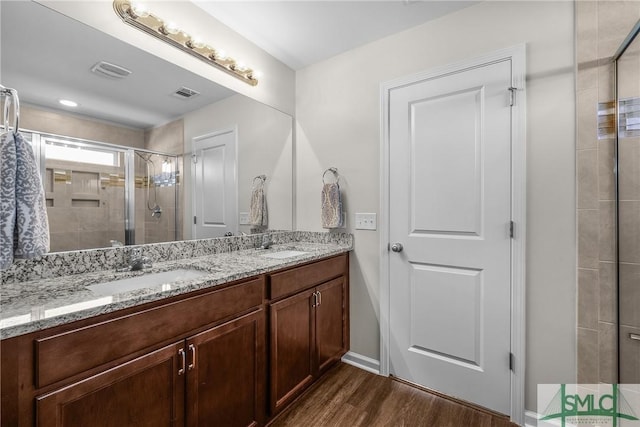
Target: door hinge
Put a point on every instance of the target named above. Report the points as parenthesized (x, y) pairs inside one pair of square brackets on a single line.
[(512, 227), (512, 362), (194, 220), (512, 95)]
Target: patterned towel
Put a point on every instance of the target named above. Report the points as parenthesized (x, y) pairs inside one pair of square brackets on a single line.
[(258, 214), (331, 206), (8, 166), (24, 227)]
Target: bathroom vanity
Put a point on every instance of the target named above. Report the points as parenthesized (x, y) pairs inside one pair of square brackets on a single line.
[(213, 352)]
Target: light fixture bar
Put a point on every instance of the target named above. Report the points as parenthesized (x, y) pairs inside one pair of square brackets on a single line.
[(144, 20)]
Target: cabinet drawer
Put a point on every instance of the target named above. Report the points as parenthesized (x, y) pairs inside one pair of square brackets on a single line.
[(294, 280), (70, 353)]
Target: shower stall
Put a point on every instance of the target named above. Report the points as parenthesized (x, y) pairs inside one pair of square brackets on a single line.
[(101, 194), (627, 206)]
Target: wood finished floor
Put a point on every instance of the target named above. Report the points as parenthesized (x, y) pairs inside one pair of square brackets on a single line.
[(350, 397)]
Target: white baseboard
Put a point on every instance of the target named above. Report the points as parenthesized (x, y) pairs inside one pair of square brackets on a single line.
[(531, 419), (362, 362)]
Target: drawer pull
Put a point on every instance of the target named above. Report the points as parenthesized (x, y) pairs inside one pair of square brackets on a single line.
[(319, 297), (634, 337), (183, 359), (192, 349)]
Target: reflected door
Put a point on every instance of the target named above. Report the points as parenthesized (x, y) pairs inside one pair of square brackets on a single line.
[(215, 200)]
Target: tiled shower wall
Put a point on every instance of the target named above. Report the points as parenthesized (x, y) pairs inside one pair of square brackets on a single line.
[(601, 27)]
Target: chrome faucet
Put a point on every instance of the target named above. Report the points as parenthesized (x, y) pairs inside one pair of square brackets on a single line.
[(137, 262), (266, 241)]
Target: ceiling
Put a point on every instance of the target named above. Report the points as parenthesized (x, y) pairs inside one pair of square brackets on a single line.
[(300, 33), (47, 56)]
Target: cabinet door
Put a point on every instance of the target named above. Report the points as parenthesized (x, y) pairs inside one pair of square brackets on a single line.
[(292, 338), (226, 376), (145, 392), (331, 323)]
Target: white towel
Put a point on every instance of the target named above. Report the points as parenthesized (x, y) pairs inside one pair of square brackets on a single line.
[(24, 227), (258, 214), (331, 206)]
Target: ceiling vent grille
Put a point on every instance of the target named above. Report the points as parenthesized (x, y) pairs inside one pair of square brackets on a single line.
[(107, 69), (185, 93)]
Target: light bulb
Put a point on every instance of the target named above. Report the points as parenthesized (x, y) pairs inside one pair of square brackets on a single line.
[(139, 10), (166, 166), (171, 28), (68, 103), (241, 66), (257, 74), (196, 42), (221, 54)]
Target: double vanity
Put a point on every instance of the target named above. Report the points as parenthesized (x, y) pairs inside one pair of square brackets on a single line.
[(217, 334)]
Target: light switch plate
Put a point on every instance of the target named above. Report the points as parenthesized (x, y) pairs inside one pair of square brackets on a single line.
[(244, 218), (366, 221)]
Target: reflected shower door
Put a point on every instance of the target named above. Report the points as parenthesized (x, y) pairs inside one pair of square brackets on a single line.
[(85, 192)]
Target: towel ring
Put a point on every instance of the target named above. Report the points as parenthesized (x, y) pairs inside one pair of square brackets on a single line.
[(262, 178), (335, 173)]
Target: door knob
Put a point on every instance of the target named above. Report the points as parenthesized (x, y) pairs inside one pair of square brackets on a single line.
[(396, 247)]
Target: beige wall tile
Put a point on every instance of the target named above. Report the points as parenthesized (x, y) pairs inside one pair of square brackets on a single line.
[(607, 284), (606, 82), (615, 21), (588, 298), (608, 363), (64, 241), (629, 168), (630, 294), (588, 356), (588, 226), (607, 233), (587, 170), (629, 214), (587, 119), (606, 178)]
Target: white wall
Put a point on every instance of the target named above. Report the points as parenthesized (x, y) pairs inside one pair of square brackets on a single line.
[(264, 147), (276, 87), (338, 122)]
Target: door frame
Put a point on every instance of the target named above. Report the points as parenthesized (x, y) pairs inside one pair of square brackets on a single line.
[(517, 55), (196, 139)]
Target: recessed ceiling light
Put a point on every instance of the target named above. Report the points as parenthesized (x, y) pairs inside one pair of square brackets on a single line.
[(68, 103)]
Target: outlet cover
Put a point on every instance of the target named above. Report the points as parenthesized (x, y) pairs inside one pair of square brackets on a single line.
[(244, 218), (366, 221)]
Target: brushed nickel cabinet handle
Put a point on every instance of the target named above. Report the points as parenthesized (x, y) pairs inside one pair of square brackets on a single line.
[(634, 337), (315, 299), (183, 358), (319, 297), (192, 349)]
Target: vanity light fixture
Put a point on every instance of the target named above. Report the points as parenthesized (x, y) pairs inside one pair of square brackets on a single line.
[(141, 18)]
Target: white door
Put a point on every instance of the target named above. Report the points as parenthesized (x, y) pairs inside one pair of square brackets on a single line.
[(450, 209), (215, 201)]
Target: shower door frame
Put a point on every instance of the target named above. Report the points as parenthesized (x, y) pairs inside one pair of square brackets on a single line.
[(129, 172)]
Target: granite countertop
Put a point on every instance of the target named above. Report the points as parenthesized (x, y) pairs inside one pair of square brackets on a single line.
[(34, 305)]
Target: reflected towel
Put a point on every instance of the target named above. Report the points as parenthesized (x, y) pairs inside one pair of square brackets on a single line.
[(331, 206), (24, 227), (258, 214)]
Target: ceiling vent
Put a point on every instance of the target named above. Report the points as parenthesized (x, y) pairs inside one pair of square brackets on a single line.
[(185, 93), (107, 69)]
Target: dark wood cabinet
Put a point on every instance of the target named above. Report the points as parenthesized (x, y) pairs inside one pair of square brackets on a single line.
[(193, 360), (308, 333), (144, 392), (226, 374)]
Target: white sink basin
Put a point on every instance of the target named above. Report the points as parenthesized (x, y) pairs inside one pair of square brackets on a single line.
[(145, 281), (284, 254)]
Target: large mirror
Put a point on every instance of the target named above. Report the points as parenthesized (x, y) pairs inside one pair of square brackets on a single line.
[(145, 116)]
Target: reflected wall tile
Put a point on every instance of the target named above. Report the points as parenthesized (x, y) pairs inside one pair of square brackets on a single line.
[(587, 170), (588, 296), (606, 82), (629, 355), (629, 168), (64, 241), (588, 225), (630, 292), (587, 356)]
